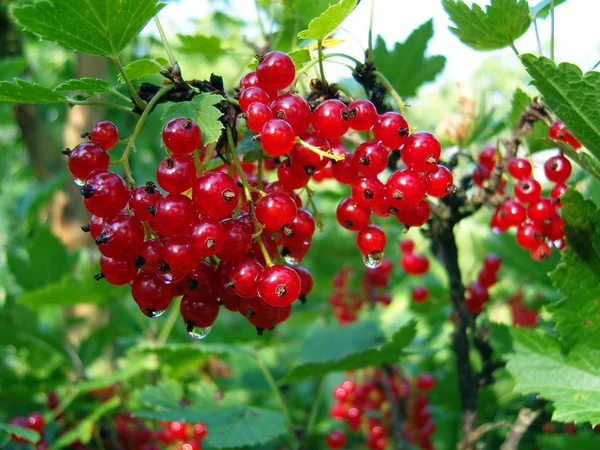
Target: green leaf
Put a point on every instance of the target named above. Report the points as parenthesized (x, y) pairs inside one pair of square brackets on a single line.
[(570, 379), (577, 277), (85, 427), (143, 67), (499, 26), (129, 371), (22, 91), (89, 87), (231, 426), (542, 9), (11, 67), (354, 346), (201, 109), (406, 66), (573, 96), (329, 21), (47, 261), (97, 27), (208, 46), (520, 100), (26, 433), (174, 351)]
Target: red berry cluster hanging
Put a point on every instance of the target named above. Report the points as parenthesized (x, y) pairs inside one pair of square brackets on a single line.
[(366, 409), (477, 293), (522, 314)]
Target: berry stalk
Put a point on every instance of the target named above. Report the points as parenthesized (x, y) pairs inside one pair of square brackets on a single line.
[(392, 91)]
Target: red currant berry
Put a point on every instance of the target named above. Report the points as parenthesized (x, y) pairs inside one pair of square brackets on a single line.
[(18, 422), (421, 151), (198, 313), (253, 95), (152, 295), (259, 313), (257, 114), (480, 174), (367, 192), (202, 281), (363, 115), (303, 226), (200, 431), (176, 174), (238, 240), (178, 254), (370, 158), (279, 285), (529, 236), (243, 278), (415, 216), (406, 188), (277, 137), (182, 136), (479, 294), (338, 412), (414, 264), (371, 239), (344, 171), (519, 168), (310, 161), (105, 134), (351, 215), (142, 201), (557, 169), (540, 253), (424, 382), (173, 216), (85, 158), (215, 194), (292, 177), (121, 237), (391, 129), (118, 271), (249, 80), (207, 237), (407, 245), (276, 212), (276, 71), (35, 421), (492, 263), (487, 279), (336, 439), (528, 190), (557, 192), (419, 294), (439, 181), (513, 213), (541, 212), (294, 110), (306, 280), (150, 255), (558, 132), (104, 194), (328, 119)]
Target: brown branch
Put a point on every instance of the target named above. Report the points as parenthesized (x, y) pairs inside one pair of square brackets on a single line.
[(397, 410), (524, 420)]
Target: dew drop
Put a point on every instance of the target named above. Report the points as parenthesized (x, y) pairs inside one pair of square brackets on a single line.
[(291, 260), (373, 259), (198, 332), (153, 313), (78, 182), (170, 277)]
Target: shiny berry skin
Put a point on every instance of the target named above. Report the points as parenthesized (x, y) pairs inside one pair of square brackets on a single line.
[(371, 239), (292, 177), (421, 151), (407, 245), (253, 95), (529, 236), (176, 174), (487, 279), (249, 80), (174, 215), (104, 194), (121, 237), (151, 294), (238, 240), (200, 431), (276, 71), (557, 192), (424, 382), (105, 134), (336, 439), (150, 252), (540, 253), (478, 293), (557, 169), (414, 264), (306, 280), (181, 136), (279, 285), (363, 115), (118, 271), (19, 422), (215, 194), (487, 157), (258, 312), (439, 181), (96, 225), (306, 158), (257, 114), (370, 158), (294, 110), (207, 236), (202, 281), (391, 129), (328, 119), (415, 216), (513, 213), (492, 263), (276, 211), (35, 421), (367, 191), (178, 254), (276, 186), (142, 200), (419, 294), (277, 137), (85, 158), (528, 190), (197, 312), (541, 212), (303, 226), (344, 171), (351, 215), (406, 188), (558, 132), (519, 168), (243, 278)]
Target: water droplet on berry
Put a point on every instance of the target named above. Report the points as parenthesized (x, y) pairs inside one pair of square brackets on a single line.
[(373, 259), (153, 313), (78, 182), (198, 332), (291, 260)]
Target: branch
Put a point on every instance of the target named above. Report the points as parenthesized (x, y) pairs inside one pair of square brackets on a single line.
[(397, 408), (525, 418)]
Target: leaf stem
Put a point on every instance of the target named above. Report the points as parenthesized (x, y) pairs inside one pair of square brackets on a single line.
[(138, 127), (514, 49), (167, 327), (392, 91), (100, 104), (163, 38), (276, 392), (317, 216), (136, 97), (321, 69), (552, 30), (370, 59), (118, 94), (537, 38), (318, 151)]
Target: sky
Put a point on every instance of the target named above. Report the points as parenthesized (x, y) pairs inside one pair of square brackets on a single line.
[(576, 30)]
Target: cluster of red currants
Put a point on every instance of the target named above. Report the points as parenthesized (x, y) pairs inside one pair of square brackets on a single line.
[(309, 135), (414, 264), (477, 292), (522, 314), (346, 302), (365, 408), (34, 421)]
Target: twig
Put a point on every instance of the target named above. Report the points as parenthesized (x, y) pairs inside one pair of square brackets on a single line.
[(525, 418), (398, 439)]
